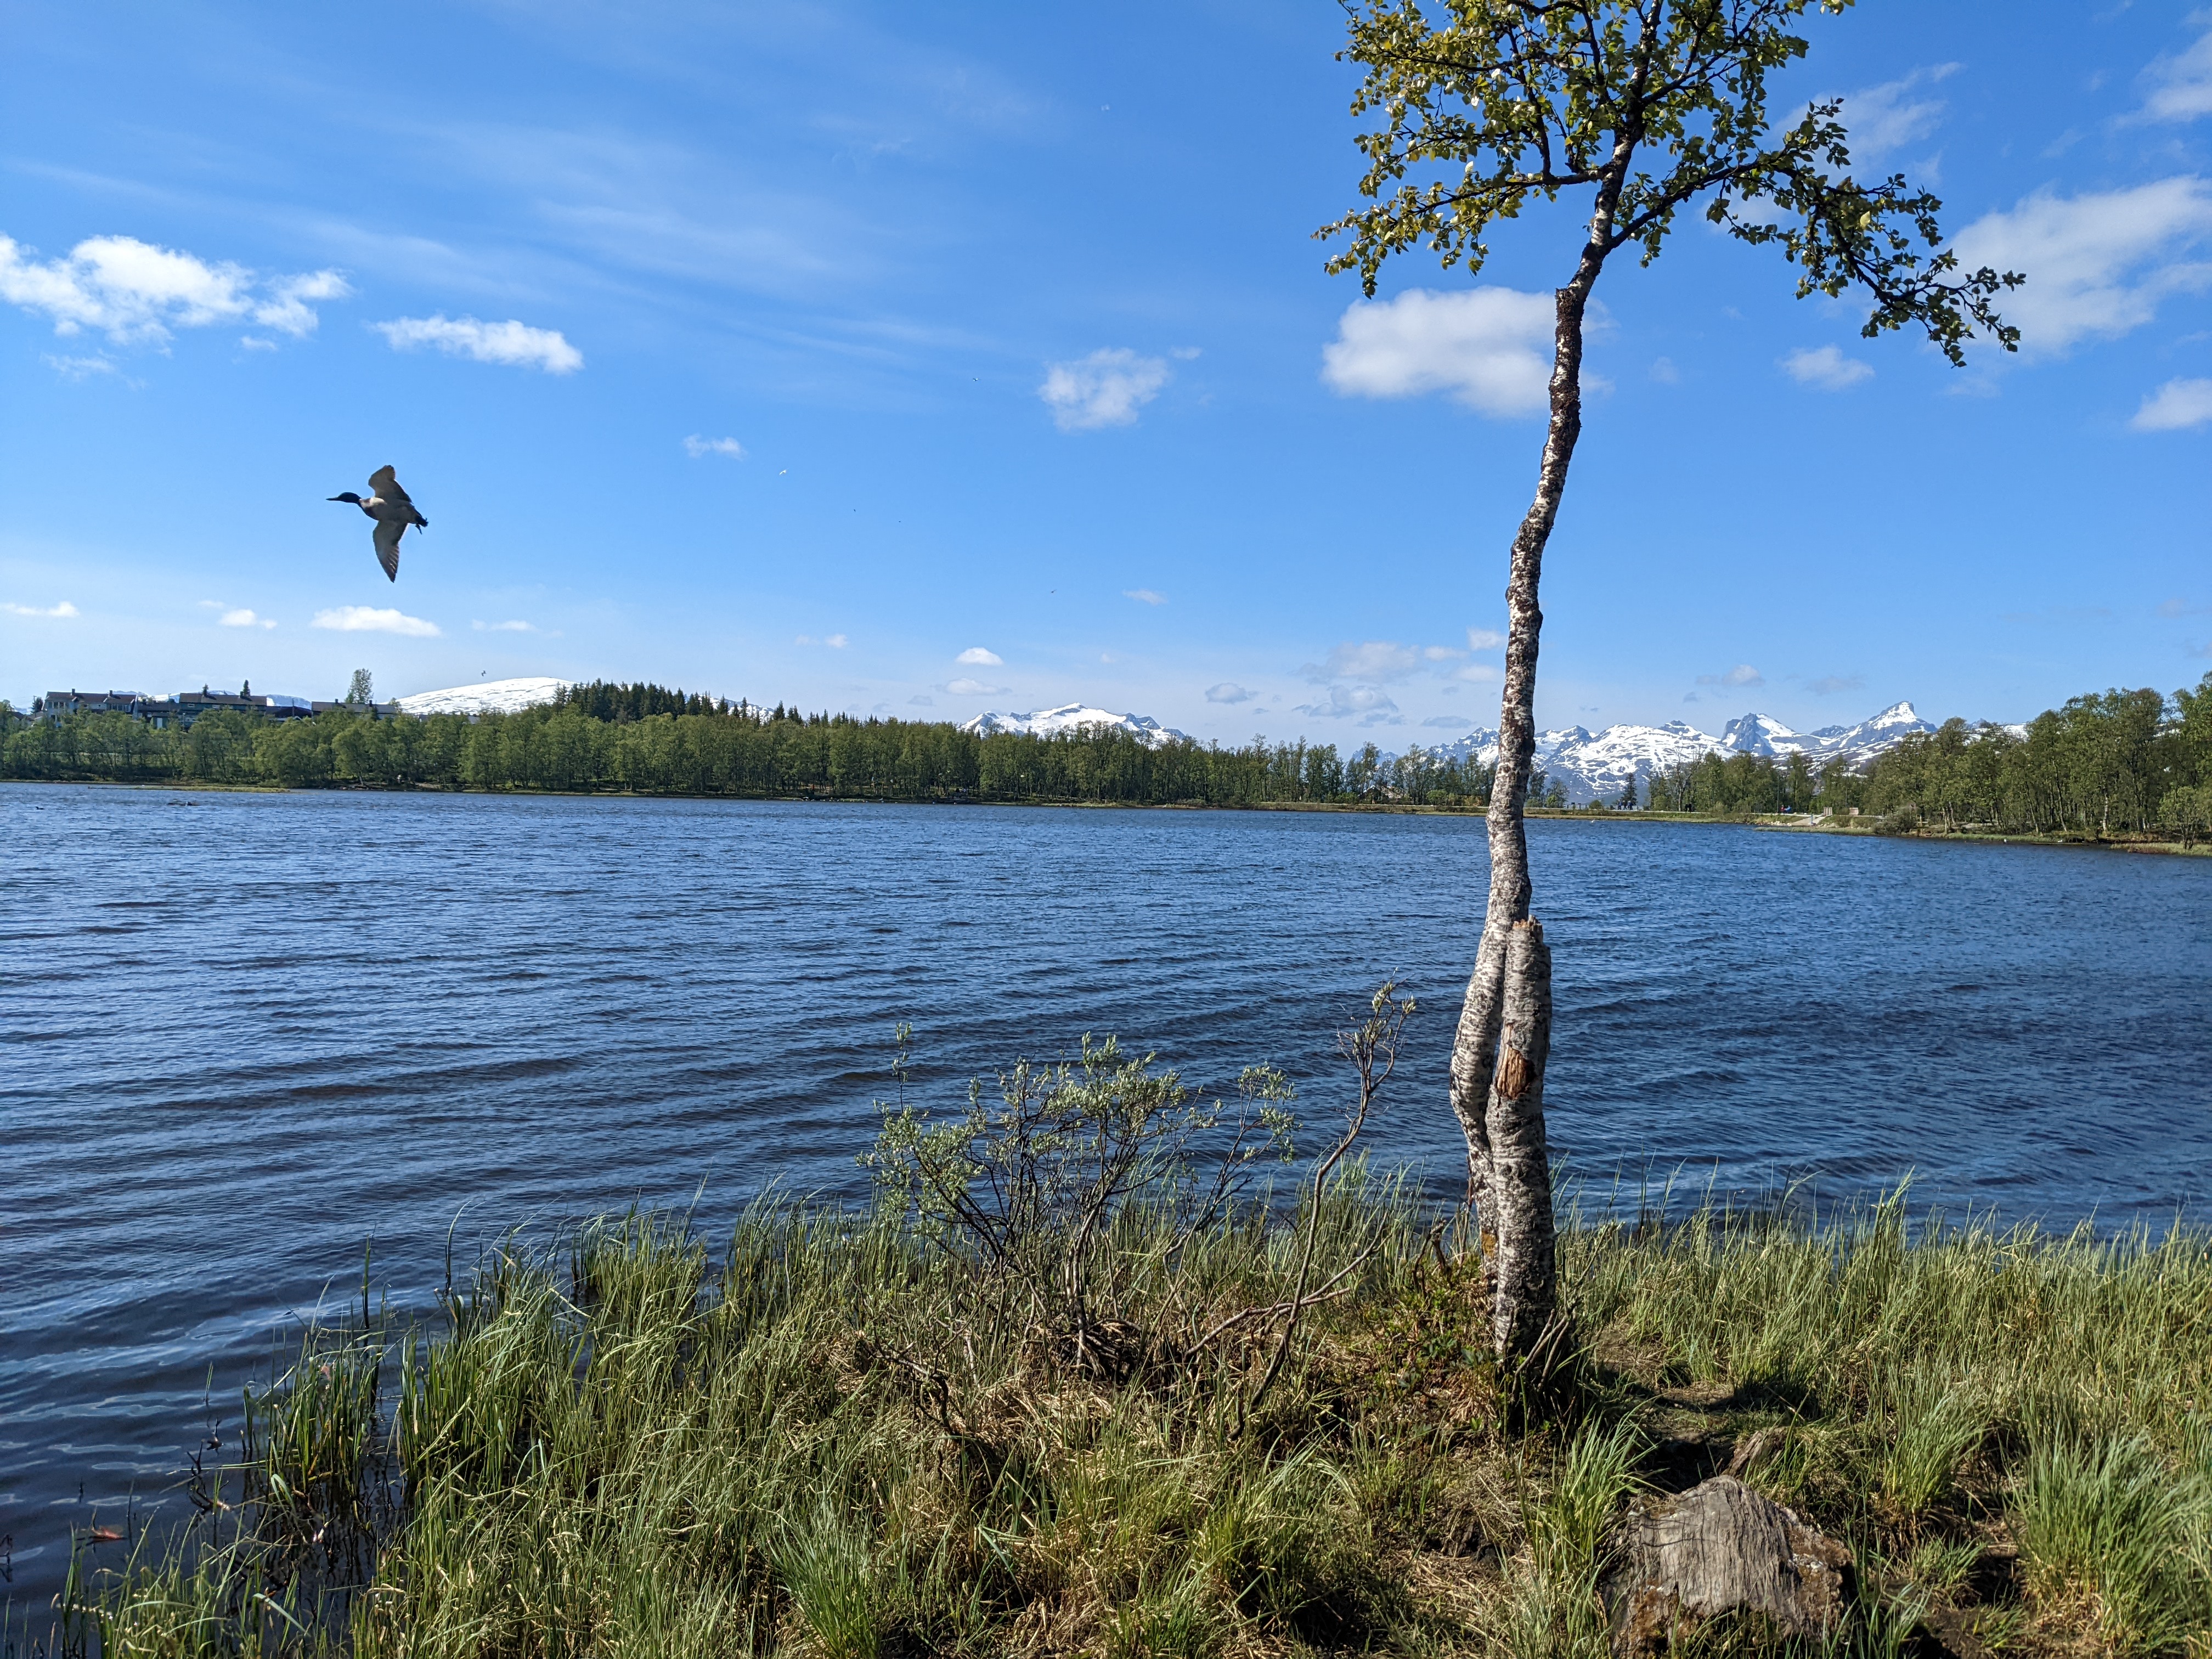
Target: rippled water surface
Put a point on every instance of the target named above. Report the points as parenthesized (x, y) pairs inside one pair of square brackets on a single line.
[(241, 1034)]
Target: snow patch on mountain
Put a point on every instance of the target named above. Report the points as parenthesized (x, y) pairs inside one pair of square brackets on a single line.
[(1598, 766), (1075, 717), (486, 697)]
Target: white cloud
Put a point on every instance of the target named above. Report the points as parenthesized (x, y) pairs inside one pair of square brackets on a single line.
[(835, 641), (1442, 652), (1478, 672), (1107, 388), (967, 688), (694, 446), (2096, 264), (1484, 639), (286, 310), (366, 619), (1489, 347), (2175, 407), (1826, 367), (64, 609), (1227, 691), (921, 702), (518, 626), (1886, 117), (1143, 596), (976, 657), (1344, 702), (1742, 674), (1457, 722), (1370, 660), (2181, 86), (134, 290), (511, 343), (244, 619)]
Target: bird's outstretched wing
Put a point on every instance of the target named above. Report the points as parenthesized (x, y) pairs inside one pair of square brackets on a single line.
[(388, 531), (384, 484)]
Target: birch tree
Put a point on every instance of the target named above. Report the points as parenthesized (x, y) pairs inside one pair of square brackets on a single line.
[(1633, 111)]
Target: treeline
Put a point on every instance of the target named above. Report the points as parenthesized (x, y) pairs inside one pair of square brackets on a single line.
[(2110, 764), (649, 740)]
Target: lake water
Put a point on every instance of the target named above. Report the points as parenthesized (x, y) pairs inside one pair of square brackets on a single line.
[(240, 1035)]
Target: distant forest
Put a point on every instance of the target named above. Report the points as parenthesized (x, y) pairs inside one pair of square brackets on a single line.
[(649, 739), (2110, 764)]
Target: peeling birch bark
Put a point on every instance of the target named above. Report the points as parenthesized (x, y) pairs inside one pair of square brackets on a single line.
[(1521, 1277)]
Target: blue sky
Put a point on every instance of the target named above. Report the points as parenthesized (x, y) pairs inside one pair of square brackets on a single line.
[(928, 359)]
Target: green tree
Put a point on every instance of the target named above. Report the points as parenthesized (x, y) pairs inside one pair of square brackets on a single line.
[(1626, 802), (1642, 108), (362, 688)]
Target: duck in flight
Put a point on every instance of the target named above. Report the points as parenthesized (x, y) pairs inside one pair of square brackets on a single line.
[(386, 503)]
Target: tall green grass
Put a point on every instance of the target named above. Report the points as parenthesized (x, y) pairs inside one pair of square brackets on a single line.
[(830, 1437)]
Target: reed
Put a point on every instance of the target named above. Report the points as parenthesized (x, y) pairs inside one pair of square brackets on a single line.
[(835, 1436)]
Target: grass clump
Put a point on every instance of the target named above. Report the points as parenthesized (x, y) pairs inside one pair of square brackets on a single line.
[(857, 1434)]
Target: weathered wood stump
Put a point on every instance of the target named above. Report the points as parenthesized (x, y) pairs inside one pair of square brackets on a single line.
[(1720, 1548)]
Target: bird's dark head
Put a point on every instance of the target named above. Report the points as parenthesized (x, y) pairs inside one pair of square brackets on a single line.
[(348, 496)]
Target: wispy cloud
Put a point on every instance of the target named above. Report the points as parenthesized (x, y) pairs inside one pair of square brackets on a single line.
[(697, 446), (1105, 389), (367, 619), (517, 626), (1828, 684), (1484, 639), (968, 688), (64, 609), (2178, 606), (514, 344), (1826, 367), (918, 701), (1227, 691), (1367, 660), (2181, 84), (244, 619), (131, 290), (1885, 119), (1370, 703), (1143, 596), (1742, 674), (1456, 723), (81, 368), (2175, 407), (1488, 347), (2099, 264), (976, 657), (834, 642)]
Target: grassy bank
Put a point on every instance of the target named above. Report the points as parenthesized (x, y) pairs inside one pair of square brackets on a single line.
[(842, 1435)]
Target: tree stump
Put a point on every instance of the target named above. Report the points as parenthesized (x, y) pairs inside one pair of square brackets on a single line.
[(1721, 1547)]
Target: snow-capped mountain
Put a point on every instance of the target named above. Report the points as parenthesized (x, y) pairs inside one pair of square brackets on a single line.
[(1075, 716), (1597, 767), (485, 697), (1870, 738)]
